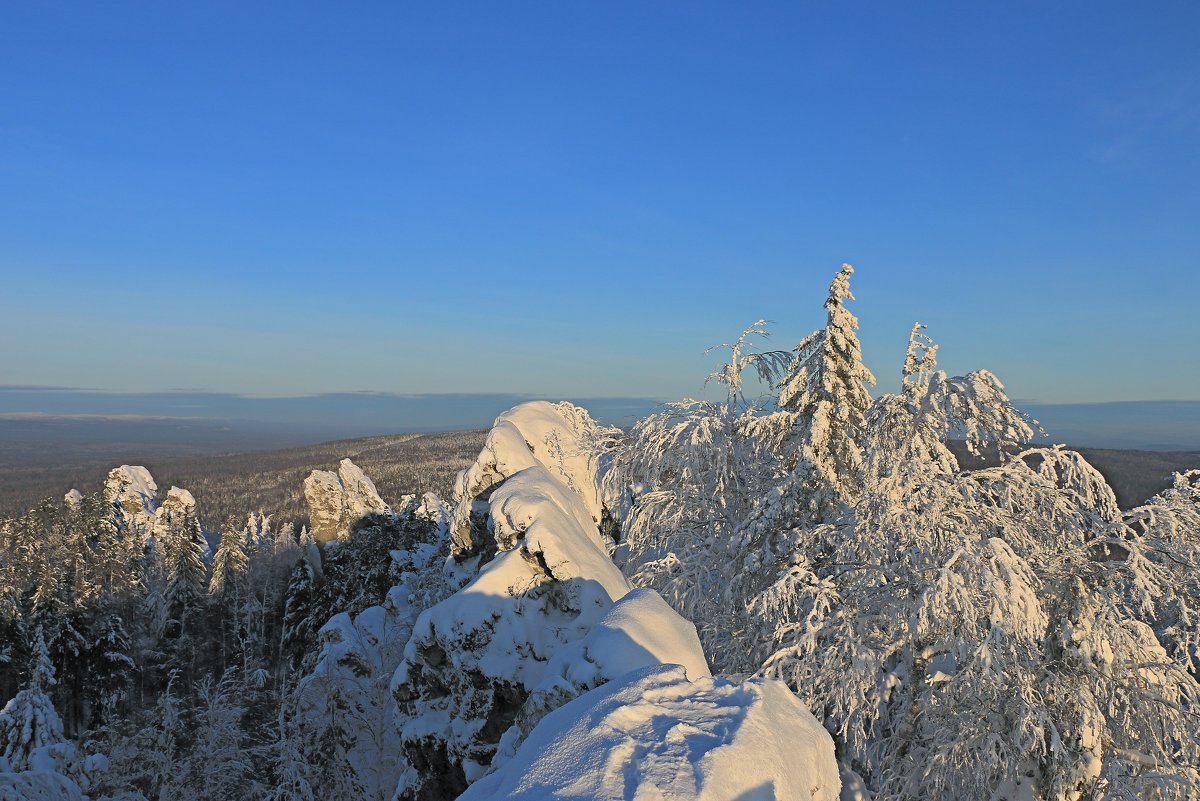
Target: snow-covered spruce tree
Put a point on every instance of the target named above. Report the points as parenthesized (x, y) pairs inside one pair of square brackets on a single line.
[(230, 563), (147, 753), (1166, 583), (57, 572), (227, 590), (29, 723), (182, 549), (108, 668), (327, 738), (969, 635), (292, 775), (36, 760), (825, 392), (719, 489), (217, 763), (823, 400), (298, 632)]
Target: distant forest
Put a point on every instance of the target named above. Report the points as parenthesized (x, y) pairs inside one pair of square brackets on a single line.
[(238, 484)]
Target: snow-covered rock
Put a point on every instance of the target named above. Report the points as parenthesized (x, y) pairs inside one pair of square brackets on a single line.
[(133, 494), (640, 630), (526, 526), (550, 436), (73, 499), (656, 735), (177, 511), (337, 501)]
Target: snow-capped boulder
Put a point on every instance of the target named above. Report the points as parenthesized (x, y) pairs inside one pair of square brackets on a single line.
[(656, 735), (526, 526), (337, 501)]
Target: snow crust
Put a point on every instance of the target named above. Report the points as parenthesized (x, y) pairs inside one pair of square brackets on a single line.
[(655, 735), (638, 631)]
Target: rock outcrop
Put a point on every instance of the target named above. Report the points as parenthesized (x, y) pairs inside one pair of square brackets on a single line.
[(338, 501), (177, 512), (539, 578), (134, 497), (73, 499)]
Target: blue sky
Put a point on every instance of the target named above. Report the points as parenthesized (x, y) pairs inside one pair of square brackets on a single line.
[(575, 199)]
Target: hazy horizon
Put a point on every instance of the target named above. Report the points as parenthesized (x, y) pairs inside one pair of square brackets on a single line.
[(191, 416)]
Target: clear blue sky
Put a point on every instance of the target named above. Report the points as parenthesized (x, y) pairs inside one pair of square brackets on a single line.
[(575, 199)]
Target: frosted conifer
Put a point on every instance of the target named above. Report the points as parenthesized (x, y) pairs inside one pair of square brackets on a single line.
[(231, 560), (29, 721)]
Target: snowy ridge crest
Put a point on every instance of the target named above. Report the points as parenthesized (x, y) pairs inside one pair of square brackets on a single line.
[(546, 618), (527, 522)]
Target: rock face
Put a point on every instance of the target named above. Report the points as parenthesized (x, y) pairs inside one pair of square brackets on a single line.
[(490, 661), (337, 501)]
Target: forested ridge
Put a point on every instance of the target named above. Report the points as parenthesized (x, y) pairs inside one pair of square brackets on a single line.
[(951, 628)]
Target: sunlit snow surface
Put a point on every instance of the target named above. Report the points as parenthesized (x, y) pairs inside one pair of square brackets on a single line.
[(655, 736)]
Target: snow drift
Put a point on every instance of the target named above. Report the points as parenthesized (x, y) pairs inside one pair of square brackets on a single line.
[(656, 735)]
